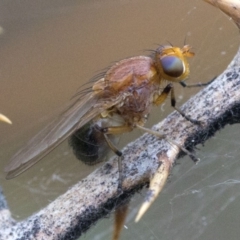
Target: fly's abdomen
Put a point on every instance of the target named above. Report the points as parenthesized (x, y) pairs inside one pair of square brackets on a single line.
[(89, 144)]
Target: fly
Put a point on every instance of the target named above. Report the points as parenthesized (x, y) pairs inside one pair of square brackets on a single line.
[(118, 102)]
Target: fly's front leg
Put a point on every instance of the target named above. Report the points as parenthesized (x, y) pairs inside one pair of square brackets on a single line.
[(164, 94), (183, 84), (162, 97), (173, 104)]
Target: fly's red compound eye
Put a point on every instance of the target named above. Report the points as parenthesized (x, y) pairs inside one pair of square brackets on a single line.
[(172, 66)]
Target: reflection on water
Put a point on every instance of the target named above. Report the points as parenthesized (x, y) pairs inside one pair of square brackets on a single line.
[(49, 49)]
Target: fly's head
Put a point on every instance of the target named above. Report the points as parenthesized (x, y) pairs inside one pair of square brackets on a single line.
[(172, 63)]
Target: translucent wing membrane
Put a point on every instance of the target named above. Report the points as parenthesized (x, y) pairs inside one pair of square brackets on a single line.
[(77, 115)]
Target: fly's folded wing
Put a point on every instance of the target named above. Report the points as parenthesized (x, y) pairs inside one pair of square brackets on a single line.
[(77, 115)]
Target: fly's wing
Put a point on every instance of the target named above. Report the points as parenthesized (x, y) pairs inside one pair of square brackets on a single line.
[(81, 112)]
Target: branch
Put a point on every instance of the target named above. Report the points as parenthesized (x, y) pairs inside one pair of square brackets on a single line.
[(94, 197)]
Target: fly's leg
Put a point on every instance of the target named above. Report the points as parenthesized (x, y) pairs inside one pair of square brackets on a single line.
[(173, 104), (162, 136), (112, 146), (183, 84), (119, 154), (113, 131), (162, 97)]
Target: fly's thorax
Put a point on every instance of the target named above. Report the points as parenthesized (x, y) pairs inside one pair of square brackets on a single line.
[(127, 74), (172, 63), (133, 81)]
